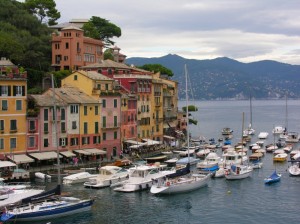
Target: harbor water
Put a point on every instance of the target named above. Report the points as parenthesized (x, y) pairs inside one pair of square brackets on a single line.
[(222, 201)]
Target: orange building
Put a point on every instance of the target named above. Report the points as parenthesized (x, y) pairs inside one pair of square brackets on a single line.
[(71, 49)]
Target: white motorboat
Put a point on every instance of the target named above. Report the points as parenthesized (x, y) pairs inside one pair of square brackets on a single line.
[(288, 148), (278, 130), (180, 185), (42, 176), (220, 172), (108, 175), (281, 157), (257, 164), (232, 158), (203, 153), (78, 178), (294, 169), (292, 137), (210, 163), (227, 131), (187, 152), (271, 148), (141, 177), (263, 135), (237, 172)]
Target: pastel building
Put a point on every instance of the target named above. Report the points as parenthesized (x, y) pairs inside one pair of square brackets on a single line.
[(106, 91), (13, 129)]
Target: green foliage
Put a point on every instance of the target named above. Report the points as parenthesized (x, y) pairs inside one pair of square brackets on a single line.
[(101, 29), (157, 68), (192, 108), (108, 54), (35, 90), (44, 9), (59, 75), (193, 121)]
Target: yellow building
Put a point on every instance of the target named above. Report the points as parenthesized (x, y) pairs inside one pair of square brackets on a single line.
[(13, 127)]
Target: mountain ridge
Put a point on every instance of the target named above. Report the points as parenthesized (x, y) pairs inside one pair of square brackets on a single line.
[(226, 78)]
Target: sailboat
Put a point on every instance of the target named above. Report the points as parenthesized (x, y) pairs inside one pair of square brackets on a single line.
[(44, 207), (184, 183), (250, 130), (284, 133), (239, 171)]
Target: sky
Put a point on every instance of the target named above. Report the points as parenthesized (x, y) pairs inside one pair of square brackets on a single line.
[(244, 30)]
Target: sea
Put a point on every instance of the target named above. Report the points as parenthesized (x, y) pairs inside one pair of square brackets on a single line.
[(222, 201)]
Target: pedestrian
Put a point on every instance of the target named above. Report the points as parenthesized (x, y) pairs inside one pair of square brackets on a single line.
[(111, 157)]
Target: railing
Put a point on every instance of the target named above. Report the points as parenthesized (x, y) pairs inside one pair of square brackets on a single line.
[(110, 125)]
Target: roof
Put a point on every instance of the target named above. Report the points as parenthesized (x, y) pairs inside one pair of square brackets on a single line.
[(5, 62), (21, 158), (95, 75), (107, 64), (72, 27)]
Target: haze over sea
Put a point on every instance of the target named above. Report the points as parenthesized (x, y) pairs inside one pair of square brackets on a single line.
[(242, 201)]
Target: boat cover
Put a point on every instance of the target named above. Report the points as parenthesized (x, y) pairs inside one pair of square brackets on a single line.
[(180, 172), (274, 175), (43, 195)]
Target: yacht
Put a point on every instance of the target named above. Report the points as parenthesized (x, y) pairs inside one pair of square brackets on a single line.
[(78, 178), (263, 135)]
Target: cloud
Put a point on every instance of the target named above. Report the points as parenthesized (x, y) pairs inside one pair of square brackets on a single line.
[(242, 30)]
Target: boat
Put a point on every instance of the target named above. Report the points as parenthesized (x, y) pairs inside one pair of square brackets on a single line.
[(263, 135), (271, 148), (292, 137), (13, 185), (227, 131), (232, 158), (42, 176), (185, 183), (203, 153), (257, 164), (210, 163), (294, 169), (45, 207), (278, 129), (288, 148), (284, 134), (108, 175), (219, 173), (273, 178), (141, 177), (78, 178), (281, 157), (237, 172)]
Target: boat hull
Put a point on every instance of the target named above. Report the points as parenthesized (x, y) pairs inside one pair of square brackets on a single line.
[(54, 213)]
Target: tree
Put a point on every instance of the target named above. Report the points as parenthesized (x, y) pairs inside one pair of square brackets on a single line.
[(157, 68), (101, 29), (44, 9), (108, 54)]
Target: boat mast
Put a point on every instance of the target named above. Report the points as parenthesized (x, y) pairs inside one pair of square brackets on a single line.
[(250, 111), (187, 111), (55, 130), (286, 113)]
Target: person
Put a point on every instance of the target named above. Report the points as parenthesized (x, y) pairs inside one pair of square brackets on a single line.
[(111, 157)]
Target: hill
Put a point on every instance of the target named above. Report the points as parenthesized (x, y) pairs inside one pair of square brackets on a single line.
[(225, 78)]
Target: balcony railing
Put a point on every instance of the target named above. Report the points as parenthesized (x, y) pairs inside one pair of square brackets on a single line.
[(110, 125)]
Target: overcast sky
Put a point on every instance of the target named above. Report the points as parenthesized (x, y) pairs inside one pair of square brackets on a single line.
[(245, 30)]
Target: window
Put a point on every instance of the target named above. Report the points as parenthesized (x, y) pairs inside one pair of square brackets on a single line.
[(46, 142), (13, 125), (31, 125), (96, 140), (115, 135), (1, 143), (106, 86), (115, 103), (85, 140), (63, 127), (74, 141), (74, 126), (4, 105), (85, 128), (66, 58), (18, 104), (115, 121), (104, 122), (96, 110), (96, 127), (67, 45), (74, 109), (63, 114), (75, 77), (85, 110), (31, 142), (46, 128), (104, 136), (132, 130), (19, 90), (4, 90), (63, 141), (104, 103), (13, 143), (45, 114), (1, 125)]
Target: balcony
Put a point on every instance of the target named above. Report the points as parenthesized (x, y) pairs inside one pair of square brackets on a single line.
[(32, 130), (110, 125), (15, 130), (158, 104), (1, 131)]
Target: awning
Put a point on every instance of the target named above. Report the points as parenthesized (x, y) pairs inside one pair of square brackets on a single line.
[(134, 142), (67, 154), (6, 164), (21, 158), (151, 142), (44, 155), (169, 137), (96, 151), (135, 146), (80, 151)]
